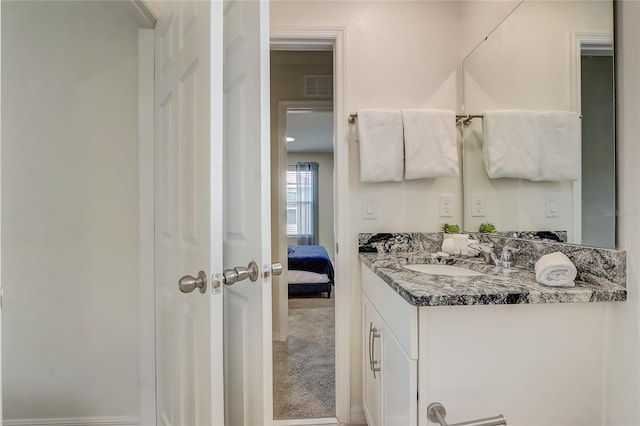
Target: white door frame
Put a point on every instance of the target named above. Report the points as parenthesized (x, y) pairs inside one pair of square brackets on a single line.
[(281, 196), (582, 42), (146, 206), (333, 38), (146, 211)]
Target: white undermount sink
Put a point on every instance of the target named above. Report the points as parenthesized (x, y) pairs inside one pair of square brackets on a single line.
[(448, 270)]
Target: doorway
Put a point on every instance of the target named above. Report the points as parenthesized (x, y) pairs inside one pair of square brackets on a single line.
[(598, 149), (303, 220)]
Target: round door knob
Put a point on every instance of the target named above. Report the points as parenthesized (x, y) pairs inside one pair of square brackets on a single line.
[(188, 283), (243, 273), (276, 268), (230, 276)]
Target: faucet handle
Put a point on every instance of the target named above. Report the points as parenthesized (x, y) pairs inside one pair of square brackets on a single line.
[(505, 256)]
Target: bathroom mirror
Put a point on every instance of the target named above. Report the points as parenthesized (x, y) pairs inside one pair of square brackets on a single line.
[(545, 56)]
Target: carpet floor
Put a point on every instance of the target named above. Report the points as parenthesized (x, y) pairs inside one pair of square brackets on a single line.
[(304, 366)]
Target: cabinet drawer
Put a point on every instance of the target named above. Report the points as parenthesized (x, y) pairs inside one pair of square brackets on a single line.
[(399, 315)]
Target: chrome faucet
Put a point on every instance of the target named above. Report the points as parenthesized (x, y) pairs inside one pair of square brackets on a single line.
[(490, 255)]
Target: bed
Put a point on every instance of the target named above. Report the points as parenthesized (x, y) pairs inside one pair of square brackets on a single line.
[(309, 270)]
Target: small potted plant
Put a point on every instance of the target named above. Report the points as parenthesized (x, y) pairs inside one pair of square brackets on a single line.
[(487, 228), (450, 229)]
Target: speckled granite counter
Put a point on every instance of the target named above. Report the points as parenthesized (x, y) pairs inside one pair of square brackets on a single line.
[(499, 286)]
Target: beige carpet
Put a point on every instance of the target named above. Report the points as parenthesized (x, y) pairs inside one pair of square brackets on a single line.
[(304, 365)]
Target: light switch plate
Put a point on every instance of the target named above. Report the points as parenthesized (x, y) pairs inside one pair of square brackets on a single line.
[(478, 203), (551, 207), (446, 205), (369, 209)]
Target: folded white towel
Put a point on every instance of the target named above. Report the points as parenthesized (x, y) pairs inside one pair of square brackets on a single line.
[(555, 269), (430, 143), (511, 144), (448, 247), (381, 145), (560, 141)]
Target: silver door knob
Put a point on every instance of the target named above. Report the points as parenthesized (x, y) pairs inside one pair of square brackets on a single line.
[(239, 273), (188, 283), (276, 268)]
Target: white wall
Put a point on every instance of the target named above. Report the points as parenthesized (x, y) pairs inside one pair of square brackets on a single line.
[(623, 368), (69, 209), (398, 54), (325, 195)]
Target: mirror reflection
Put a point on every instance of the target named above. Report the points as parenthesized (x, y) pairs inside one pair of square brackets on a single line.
[(545, 57)]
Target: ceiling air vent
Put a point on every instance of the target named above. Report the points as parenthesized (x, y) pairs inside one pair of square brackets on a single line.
[(316, 86)]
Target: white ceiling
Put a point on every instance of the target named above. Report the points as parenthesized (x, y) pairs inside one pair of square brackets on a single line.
[(313, 131)]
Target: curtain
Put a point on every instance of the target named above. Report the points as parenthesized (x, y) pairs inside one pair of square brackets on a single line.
[(307, 203)]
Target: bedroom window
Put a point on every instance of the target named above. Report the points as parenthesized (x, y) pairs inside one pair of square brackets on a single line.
[(302, 203)]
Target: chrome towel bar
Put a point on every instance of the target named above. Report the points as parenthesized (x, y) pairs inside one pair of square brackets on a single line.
[(465, 119), (436, 413)]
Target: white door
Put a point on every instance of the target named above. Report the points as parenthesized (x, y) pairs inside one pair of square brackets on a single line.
[(213, 358), (183, 232), (247, 221)]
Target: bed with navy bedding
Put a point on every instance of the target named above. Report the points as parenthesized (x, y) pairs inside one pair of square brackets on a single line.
[(309, 270)]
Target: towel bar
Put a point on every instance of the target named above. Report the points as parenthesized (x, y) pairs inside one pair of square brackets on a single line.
[(436, 413), (466, 118)]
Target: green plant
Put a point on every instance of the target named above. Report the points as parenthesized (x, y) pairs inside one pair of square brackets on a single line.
[(450, 229), (487, 228)]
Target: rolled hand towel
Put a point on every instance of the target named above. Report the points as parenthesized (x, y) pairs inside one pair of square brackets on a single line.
[(556, 269)]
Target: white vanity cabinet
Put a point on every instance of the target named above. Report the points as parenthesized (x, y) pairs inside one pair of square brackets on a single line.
[(390, 365), (480, 361)]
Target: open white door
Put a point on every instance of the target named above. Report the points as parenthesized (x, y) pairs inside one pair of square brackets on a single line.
[(247, 221), (187, 151), (1, 291), (212, 212)]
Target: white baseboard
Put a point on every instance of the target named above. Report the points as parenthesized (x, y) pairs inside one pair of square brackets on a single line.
[(357, 415), (303, 422), (76, 421)]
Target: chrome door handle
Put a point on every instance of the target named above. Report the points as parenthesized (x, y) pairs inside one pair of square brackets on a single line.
[(187, 283), (276, 268), (240, 273)]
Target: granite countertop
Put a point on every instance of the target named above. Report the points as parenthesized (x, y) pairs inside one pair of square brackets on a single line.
[(500, 286)]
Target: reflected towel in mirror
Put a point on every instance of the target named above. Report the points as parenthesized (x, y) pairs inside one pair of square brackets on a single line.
[(511, 148), (560, 139)]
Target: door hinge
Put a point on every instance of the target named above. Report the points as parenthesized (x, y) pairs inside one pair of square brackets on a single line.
[(337, 249)]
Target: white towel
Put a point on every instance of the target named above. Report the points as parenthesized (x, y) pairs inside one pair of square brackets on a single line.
[(430, 144), (511, 144), (560, 141), (448, 247), (381, 146), (556, 269)]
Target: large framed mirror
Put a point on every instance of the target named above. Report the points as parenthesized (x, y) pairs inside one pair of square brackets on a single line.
[(546, 56)]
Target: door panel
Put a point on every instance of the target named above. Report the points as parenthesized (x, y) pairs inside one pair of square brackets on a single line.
[(183, 231), (247, 305), (212, 204)]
